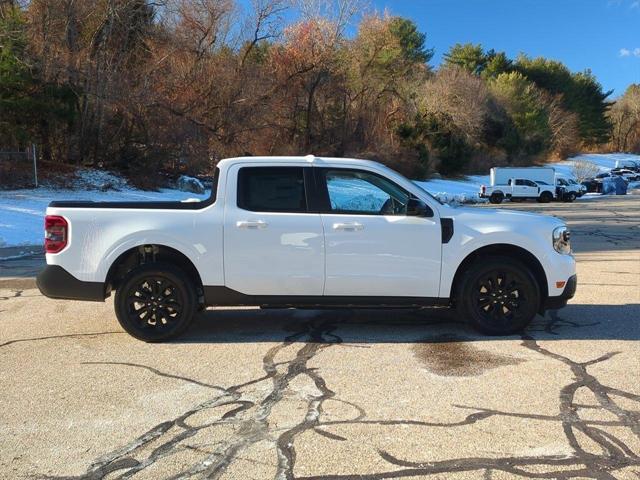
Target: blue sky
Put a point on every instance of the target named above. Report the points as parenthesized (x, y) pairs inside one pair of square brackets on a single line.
[(602, 35)]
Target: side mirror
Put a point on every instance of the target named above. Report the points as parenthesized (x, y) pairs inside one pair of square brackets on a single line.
[(417, 208)]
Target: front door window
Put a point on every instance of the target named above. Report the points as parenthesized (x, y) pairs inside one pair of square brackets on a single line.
[(364, 193)]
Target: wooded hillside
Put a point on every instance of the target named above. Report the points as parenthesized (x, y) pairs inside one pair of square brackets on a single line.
[(144, 86)]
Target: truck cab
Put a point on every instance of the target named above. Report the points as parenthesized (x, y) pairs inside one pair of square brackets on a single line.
[(568, 189)]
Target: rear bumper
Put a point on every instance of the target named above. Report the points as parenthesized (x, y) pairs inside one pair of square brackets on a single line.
[(553, 303), (55, 282)]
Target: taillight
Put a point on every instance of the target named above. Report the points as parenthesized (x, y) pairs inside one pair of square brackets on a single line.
[(484, 189), (55, 233)]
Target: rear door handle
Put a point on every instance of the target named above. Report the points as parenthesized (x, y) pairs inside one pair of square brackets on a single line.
[(348, 227), (253, 225)]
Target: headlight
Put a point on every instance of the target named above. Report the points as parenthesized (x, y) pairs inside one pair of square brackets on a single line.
[(562, 240)]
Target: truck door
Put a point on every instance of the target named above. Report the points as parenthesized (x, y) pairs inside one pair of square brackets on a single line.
[(532, 189), (273, 245), (372, 247), (524, 188)]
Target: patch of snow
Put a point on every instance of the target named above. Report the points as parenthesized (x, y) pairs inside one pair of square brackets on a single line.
[(22, 211), (94, 179)]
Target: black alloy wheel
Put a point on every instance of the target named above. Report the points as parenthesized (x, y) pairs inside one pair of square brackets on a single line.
[(155, 302), (498, 296)]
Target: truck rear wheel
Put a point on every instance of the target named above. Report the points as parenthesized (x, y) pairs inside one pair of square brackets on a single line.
[(155, 302), (498, 296), (496, 197)]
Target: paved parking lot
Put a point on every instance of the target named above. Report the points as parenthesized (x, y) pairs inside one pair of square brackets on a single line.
[(251, 393)]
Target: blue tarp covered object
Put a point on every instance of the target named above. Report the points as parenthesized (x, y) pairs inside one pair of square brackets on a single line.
[(614, 186)]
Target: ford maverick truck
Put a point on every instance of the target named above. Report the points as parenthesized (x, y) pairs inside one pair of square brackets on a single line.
[(306, 232)]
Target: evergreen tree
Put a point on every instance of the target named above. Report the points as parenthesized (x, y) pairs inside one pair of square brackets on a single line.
[(523, 102), (496, 63), (468, 56), (581, 94), (412, 41), (16, 83), (29, 107)]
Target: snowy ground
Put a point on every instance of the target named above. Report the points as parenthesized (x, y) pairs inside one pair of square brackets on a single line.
[(22, 211)]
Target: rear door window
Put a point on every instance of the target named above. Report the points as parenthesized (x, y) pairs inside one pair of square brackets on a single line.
[(272, 189)]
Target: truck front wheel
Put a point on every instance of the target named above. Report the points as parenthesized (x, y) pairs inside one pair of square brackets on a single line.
[(498, 296), (155, 302), (570, 197)]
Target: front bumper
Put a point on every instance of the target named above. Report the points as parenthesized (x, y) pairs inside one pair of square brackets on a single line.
[(553, 303), (55, 282)]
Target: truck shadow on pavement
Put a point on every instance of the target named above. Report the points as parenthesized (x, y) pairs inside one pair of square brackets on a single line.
[(574, 322)]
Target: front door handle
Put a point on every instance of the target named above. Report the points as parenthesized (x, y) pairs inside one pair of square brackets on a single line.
[(253, 225), (348, 227)]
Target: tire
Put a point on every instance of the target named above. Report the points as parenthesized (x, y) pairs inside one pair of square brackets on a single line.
[(168, 302), (545, 197), (498, 296), (496, 197), (570, 197)]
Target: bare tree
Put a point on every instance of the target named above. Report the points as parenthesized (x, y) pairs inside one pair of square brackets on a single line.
[(460, 96), (625, 117), (339, 13), (583, 170), (564, 125)]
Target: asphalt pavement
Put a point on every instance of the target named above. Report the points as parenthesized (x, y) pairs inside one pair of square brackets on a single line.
[(333, 394)]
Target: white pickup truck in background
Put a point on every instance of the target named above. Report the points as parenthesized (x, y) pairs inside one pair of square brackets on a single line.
[(529, 183), (306, 232)]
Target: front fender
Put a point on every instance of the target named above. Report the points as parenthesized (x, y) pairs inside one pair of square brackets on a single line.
[(464, 244)]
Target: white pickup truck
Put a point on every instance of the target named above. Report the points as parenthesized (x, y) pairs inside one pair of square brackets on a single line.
[(306, 232), (519, 189), (534, 183)]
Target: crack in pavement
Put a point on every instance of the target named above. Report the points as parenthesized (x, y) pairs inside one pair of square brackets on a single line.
[(250, 418), (51, 337), (16, 294)]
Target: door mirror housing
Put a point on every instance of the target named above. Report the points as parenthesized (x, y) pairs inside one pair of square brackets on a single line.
[(417, 208)]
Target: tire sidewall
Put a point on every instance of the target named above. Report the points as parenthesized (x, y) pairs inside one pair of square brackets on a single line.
[(181, 282), (496, 198), (468, 311), (545, 197)]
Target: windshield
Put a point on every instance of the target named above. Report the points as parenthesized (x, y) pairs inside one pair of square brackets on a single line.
[(415, 182), (425, 191)]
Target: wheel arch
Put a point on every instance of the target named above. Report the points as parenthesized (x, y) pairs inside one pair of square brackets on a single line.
[(506, 250), (149, 253)]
